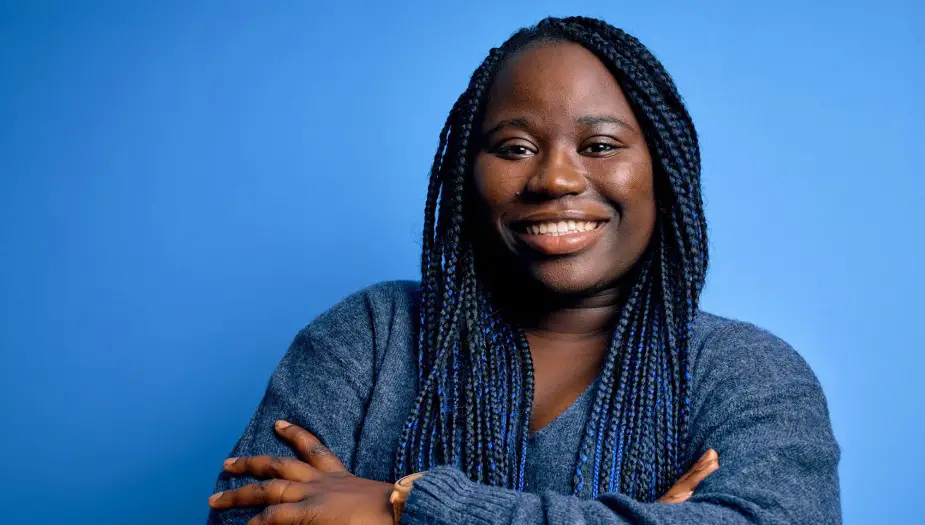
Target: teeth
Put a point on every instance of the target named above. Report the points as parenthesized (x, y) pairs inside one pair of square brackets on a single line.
[(561, 227)]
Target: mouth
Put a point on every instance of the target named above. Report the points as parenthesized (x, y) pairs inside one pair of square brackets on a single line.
[(559, 237), (557, 228)]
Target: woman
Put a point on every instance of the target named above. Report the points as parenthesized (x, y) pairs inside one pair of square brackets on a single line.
[(553, 364)]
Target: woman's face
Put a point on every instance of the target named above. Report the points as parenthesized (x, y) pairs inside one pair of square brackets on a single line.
[(563, 175)]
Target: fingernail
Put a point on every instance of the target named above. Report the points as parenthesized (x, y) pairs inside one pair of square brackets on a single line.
[(282, 424), (706, 457), (687, 494), (214, 497), (706, 465), (230, 461)]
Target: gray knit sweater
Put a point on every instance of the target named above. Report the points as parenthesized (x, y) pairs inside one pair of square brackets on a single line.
[(350, 377)]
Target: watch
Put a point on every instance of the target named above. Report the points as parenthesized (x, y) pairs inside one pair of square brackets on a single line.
[(400, 494)]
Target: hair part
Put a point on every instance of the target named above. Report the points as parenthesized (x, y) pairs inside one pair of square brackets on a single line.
[(475, 372)]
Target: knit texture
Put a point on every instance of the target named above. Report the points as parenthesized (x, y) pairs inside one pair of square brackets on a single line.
[(350, 377)]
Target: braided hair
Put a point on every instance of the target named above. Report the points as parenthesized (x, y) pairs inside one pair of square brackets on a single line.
[(476, 382)]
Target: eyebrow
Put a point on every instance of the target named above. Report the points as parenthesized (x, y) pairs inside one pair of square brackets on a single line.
[(592, 120), (588, 120), (520, 123)]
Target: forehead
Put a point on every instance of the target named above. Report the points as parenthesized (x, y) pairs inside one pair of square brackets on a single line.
[(556, 79)]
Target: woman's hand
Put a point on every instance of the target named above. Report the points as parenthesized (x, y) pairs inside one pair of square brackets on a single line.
[(684, 487), (316, 490)]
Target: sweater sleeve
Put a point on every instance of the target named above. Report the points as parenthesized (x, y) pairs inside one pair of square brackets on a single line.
[(322, 384), (755, 401)]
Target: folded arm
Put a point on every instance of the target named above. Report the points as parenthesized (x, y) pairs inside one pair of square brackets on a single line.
[(321, 384), (756, 402)]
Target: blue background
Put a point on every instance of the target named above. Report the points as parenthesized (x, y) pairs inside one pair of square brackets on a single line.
[(183, 187)]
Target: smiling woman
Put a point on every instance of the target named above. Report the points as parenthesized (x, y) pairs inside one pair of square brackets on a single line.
[(563, 148), (552, 365)]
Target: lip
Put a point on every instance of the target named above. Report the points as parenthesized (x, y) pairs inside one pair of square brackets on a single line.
[(562, 244), (563, 215)]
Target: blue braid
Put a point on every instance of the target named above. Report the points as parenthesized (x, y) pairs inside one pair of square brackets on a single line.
[(475, 370)]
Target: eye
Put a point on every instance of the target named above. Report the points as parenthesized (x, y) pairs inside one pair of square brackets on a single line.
[(599, 148), (513, 151)]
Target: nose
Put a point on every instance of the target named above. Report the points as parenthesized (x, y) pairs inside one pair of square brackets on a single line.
[(557, 175)]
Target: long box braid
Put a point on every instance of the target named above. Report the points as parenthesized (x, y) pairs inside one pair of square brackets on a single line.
[(475, 372)]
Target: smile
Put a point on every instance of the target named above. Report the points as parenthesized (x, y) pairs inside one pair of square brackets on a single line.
[(563, 237), (560, 227)]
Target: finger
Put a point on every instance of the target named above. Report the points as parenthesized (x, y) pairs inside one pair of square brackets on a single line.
[(265, 467), (284, 514), (677, 497), (707, 463), (269, 492), (702, 472), (709, 456), (706, 458), (698, 472), (309, 448)]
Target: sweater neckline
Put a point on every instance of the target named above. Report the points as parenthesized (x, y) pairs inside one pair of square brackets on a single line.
[(566, 414)]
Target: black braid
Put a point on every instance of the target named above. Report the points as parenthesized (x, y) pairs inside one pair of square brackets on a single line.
[(476, 382)]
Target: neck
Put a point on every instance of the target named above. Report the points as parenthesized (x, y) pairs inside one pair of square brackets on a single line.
[(545, 313), (550, 315)]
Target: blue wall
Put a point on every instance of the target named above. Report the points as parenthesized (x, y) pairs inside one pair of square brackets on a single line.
[(183, 188)]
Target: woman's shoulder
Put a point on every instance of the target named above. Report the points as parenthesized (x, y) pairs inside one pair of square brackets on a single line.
[(359, 329), (726, 348), (377, 303), (747, 381)]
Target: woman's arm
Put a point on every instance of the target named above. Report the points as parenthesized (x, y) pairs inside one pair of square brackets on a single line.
[(756, 402), (322, 384)]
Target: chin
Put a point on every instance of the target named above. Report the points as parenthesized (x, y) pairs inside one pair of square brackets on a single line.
[(566, 279)]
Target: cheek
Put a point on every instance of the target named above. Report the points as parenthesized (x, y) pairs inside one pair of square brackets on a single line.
[(495, 183), (631, 186)]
